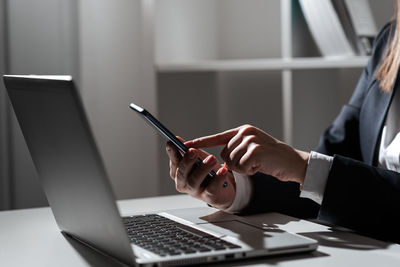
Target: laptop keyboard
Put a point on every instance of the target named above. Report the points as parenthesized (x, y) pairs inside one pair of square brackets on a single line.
[(164, 237)]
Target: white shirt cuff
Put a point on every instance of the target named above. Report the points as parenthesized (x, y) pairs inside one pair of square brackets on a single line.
[(244, 191), (316, 177)]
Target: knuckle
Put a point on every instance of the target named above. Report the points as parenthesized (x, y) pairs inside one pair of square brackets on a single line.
[(231, 157), (180, 173), (197, 193), (172, 165), (194, 142), (247, 129), (251, 139), (179, 188), (168, 148), (255, 148)]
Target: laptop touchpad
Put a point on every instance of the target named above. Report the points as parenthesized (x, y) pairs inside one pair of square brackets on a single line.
[(233, 228), (255, 237)]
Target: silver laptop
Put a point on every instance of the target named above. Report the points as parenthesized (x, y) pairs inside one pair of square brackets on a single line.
[(57, 132)]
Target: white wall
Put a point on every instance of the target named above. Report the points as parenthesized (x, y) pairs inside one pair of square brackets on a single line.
[(382, 10), (189, 30), (186, 30), (248, 29), (40, 41), (108, 49), (117, 68), (318, 96), (41, 36)]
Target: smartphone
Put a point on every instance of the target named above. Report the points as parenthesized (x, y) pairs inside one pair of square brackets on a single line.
[(169, 136)]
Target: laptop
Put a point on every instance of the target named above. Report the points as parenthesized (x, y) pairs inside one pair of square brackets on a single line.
[(54, 124)]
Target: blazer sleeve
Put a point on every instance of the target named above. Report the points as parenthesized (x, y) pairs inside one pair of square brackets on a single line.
[(272, 195), (363, 198)]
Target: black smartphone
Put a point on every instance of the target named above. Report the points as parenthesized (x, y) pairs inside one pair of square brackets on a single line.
[(170, 136)]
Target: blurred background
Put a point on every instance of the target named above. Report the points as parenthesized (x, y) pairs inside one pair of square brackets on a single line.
[(201, 66)]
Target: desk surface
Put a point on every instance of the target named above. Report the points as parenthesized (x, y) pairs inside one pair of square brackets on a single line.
[(31, 237)]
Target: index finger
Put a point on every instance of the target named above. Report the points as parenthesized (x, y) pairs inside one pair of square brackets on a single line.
[(219, 139)]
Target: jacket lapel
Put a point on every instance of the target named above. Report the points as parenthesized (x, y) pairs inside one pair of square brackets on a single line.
[(372, 119)]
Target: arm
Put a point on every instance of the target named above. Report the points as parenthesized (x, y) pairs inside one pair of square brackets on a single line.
[(368, 201), (312, 189), (357, 195), (250, 151), (273, 195)]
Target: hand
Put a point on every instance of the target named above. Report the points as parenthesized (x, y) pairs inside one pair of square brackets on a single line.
[(189, 180), (249, 150)]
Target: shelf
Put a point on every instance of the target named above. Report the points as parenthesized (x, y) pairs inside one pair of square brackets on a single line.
[(263, 64)]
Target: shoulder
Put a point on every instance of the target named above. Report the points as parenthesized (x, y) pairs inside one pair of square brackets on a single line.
[(368, 77), (383, 36), (381, 42)]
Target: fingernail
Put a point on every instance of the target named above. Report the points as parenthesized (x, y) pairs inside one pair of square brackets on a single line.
[(192, 153), (187, 143), (209, 160), (222, 171)]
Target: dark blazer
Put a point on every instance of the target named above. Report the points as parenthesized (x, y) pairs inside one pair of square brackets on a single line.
[(358, 195)]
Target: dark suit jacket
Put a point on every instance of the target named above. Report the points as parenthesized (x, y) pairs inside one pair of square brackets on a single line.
[(358, 195)]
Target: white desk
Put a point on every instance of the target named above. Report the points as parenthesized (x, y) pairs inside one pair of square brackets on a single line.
[(31, 238)]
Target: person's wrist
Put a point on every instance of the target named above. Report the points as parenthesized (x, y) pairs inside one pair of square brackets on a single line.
[(302, 165)]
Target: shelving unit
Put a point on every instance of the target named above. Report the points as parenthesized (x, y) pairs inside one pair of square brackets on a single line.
[(263, 64), (211, 46)]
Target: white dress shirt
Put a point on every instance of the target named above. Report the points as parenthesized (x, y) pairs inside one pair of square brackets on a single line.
[(319, 164)]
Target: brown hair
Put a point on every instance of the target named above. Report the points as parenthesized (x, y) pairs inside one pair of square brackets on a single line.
[(387, 72)]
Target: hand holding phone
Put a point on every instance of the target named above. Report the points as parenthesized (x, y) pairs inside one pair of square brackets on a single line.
[(171, 137)]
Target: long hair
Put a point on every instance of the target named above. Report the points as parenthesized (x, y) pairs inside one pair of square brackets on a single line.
[(387, 72)]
